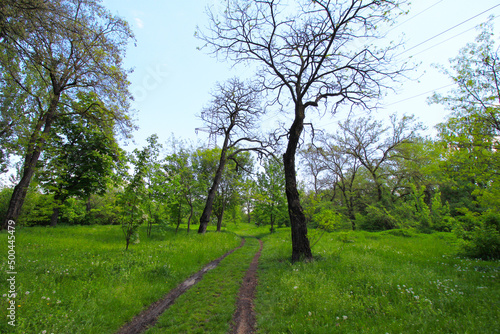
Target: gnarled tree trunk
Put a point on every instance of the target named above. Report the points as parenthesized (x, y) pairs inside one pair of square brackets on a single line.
[(301, 248)]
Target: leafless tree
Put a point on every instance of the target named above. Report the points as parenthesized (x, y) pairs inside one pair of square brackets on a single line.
[(232, 114), (372, 143), (307, 52)]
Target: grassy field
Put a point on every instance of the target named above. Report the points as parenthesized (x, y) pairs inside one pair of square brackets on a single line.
[(80, 280), (376, 283)]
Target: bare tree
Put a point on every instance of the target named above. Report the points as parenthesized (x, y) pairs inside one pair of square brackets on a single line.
[(307, 52), (232, 114), (372, 143)]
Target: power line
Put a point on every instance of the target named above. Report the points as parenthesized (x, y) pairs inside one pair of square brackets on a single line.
[(441, 33), (412, 97), (414, 16)]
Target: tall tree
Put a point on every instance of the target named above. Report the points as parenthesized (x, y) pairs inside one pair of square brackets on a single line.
[(307, 52), (79, 161), (232, 114), (73, 46), (469, 137)]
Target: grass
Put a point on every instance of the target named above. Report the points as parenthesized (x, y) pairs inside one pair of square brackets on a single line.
[(80, 279), (208, 307), (376, 283)]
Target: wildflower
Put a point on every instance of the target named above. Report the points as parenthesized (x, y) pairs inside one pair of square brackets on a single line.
[(295, 287), (44, 332), (344, 317), (43, 297), (309, 313), (4, 295), (27, 292)]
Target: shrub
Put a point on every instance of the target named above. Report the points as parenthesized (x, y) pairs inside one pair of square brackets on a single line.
[(376, 219)]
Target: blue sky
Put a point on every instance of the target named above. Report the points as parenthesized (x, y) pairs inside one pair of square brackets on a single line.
[(172, 79)]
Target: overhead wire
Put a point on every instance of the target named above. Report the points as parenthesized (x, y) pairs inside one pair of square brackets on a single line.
[(445, 31), (414, 16)]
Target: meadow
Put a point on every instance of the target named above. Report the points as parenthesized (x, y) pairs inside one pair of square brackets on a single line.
[(81, 280)]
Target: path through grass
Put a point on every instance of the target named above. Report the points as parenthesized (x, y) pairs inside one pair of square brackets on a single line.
[(80, 279)]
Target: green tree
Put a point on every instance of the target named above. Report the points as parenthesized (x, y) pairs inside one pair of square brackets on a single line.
[(270, 198), (135, 199), (306, 53), (80, 159), (69, 48), (470, 146)]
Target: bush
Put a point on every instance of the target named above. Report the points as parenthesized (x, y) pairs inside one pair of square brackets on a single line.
[(376, 219), (480, 234)]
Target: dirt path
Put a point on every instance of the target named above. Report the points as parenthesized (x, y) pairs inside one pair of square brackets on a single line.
[(244, 317), (149, 317)]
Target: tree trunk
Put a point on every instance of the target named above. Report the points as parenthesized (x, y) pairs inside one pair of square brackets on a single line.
[(55, 215), (300, 243), (179, 217), (207, 211), (190, 216), (34, 149), (219, 221)]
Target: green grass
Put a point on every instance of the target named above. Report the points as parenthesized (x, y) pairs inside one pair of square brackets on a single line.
[(208, 307), (376, 283), (80, 279), (359, 282)]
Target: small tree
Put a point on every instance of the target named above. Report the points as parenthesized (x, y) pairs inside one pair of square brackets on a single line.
[(270, 198), (135, 198)]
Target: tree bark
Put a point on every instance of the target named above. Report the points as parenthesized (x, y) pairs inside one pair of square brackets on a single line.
[(34, 149), (219, 221), (190, 214), (300, 243), (207, 211), (55, 215)]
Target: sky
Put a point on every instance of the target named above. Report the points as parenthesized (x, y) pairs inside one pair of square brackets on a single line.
[(172, 80)]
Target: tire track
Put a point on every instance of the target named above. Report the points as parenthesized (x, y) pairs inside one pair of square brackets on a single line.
[(244, 318), (148, 318)]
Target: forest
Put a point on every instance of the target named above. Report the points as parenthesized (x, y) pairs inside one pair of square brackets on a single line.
[(66, 106)]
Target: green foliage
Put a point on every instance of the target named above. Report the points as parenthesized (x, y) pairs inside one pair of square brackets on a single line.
[(480, 234), (134, 200), (270, 203), (377, 218)]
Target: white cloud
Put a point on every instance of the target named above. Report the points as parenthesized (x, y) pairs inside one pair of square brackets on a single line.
[(139, 22)]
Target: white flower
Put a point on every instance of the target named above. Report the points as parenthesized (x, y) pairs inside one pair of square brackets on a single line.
[(309, 313), (27, 292), (295, 287), (344, 317), (48, 298), (43, 297)]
